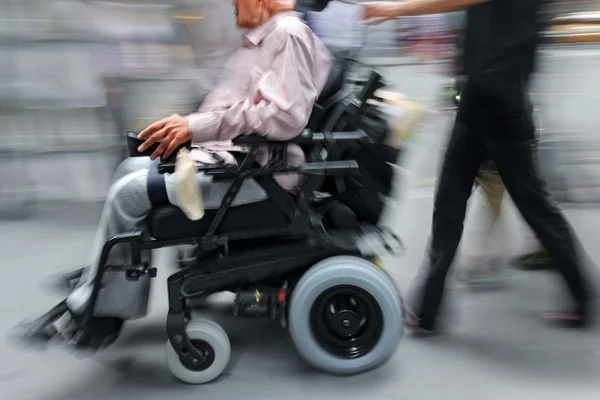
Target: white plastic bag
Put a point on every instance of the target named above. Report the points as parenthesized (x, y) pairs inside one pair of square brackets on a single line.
[(189, 195)]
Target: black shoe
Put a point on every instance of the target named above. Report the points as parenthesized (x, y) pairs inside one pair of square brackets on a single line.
[(42, 331), (492, 274), (63, 326), (418, 327), (566, 319), (539, 260), (579, 318)]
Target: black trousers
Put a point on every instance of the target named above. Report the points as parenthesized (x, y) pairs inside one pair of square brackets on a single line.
[(494, 121)]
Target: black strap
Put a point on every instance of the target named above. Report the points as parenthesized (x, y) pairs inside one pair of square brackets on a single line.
[(334, 153), (333, 150), (240, 157), (157, 188), (278, 195)]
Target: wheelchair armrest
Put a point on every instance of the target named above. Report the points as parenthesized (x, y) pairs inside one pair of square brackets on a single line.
[(350, 136), (133, 143), (169, 167), (331, 168), (305, 138), (228, 172), (249, 139)]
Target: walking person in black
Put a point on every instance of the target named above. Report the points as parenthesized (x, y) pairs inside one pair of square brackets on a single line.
[(493, 122)]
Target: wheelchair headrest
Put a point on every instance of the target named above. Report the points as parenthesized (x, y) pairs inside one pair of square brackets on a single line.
[(334, 82)]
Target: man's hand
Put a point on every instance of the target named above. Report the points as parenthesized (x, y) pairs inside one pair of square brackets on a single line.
[(377, 12), (173, 131)]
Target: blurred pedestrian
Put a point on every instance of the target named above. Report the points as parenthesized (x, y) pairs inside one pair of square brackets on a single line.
[(493, 122), (483, 258), (482, 264), (483, 261)]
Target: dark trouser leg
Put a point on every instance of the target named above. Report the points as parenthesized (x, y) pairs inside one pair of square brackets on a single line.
[(459, 169), (515, 157), (517, 168)]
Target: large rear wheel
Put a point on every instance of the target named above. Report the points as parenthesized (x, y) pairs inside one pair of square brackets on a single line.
[(346, 316)]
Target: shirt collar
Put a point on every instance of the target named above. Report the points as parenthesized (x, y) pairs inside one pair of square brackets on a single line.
[(256, 35)]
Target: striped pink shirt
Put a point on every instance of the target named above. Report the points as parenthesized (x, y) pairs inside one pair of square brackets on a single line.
[(269, 88)]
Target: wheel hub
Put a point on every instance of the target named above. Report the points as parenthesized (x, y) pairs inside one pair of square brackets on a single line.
[(346, 321), (195, 363)]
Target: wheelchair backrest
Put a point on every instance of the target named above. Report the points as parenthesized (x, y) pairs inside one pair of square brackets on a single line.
[(365, 194), (333, 87)]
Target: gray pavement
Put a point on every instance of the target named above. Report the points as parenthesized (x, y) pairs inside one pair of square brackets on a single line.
[(496, 347)]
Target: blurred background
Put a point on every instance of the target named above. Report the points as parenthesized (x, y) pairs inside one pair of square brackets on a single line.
[(75, 75)]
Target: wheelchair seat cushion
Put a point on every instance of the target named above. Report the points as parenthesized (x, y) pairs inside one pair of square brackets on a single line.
[(168, 222)]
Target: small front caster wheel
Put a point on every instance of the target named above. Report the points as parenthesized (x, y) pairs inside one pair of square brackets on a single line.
[(209, 338)]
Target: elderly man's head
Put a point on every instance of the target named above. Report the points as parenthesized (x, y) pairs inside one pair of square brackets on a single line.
[(251, 13)]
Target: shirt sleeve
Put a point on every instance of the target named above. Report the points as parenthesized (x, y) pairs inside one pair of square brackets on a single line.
[(284, 100)]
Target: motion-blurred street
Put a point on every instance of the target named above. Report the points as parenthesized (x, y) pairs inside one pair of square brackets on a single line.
[(496, 348)]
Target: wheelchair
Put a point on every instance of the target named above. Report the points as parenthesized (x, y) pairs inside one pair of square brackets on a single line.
[(307, 260)]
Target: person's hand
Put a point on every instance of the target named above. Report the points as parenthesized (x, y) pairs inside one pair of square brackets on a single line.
[(173, 131), (377, 12)]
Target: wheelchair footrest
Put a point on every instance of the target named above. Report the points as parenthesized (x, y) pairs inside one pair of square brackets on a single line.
[(40, 331)]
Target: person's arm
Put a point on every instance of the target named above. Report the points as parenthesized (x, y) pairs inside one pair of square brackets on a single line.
[(286, 95), (286, 92), (423, 7), (380, 11)]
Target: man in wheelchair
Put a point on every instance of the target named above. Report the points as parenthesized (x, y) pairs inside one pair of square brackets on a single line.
[(269, 87), (260, 220)]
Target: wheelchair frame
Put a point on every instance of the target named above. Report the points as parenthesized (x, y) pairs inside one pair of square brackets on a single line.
[(307, 244), (277, 260)]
